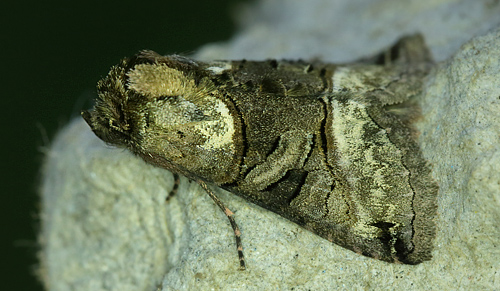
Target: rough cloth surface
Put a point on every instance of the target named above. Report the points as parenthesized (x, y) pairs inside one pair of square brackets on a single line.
[(106, 225)]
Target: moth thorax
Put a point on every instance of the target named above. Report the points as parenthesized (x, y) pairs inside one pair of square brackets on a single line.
[(195, 135)]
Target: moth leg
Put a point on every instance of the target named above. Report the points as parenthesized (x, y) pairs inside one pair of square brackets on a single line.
[(172, 192), (229, 214)]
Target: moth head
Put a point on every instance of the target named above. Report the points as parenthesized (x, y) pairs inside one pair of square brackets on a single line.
[(109, 119), (129, 91), (166, 107)]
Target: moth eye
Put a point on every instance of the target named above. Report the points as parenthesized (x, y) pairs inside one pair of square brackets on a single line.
[(181, 134)]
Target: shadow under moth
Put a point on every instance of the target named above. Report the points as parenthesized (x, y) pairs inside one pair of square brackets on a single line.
[(327, 146)]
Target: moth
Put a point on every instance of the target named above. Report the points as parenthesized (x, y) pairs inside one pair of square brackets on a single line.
[(327, 146)]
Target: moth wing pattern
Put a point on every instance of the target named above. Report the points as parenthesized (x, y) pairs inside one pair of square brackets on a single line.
[(351, 171), (327, 146)]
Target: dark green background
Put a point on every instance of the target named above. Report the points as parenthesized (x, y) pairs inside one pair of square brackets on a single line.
[(53, 54)]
